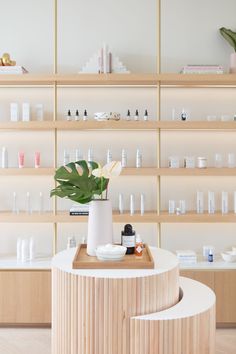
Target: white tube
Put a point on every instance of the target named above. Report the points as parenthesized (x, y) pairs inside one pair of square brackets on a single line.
[(121, 203), (142, 200), (31, 249), (78, 155), (182, 206), (211, 202), (66, 157), (224, 203), (171, 206), (200, 203), (90, 155), (41, 202), (109, 156), (123, 158), (24, 250), (4, 157), (138, 158), (28, 203), (131, 204)]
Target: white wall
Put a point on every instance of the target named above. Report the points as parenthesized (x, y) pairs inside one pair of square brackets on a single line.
[(189, 35)]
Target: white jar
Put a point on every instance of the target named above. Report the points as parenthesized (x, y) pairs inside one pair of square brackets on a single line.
[(201, 162)]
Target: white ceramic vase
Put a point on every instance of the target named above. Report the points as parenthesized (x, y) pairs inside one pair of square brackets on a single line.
[(100, 229), (232, 68)]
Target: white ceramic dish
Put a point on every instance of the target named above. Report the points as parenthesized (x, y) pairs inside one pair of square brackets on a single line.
[(110, 252), (229, 256)]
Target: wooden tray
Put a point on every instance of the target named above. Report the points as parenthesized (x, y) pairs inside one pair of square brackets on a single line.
[(130, 261)]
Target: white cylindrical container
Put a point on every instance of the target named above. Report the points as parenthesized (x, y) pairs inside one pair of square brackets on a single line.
[(78, 155), (189, 162), (171, 206), (18, 249), (24, 250), (200, 202), (123, 158), (90, 155), (201, 162), (138, 158), (66, 157), (231, 160), (31, 249), (173, 162), (14, 207), (100, 230), (109, 156), (218, 160), (182, 206), (28, 203), (131, 204), (224, 203), (235, 202), (4, 157), (211, 202), (142, 201), (41, 209), (121, 203)]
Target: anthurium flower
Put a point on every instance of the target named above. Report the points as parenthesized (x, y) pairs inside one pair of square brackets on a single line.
[(112, 169)]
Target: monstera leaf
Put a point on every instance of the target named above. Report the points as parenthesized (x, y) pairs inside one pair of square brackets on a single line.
[(229, 35), (77, 183)]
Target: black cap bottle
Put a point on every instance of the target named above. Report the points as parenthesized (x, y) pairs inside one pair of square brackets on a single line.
[(128, 238)]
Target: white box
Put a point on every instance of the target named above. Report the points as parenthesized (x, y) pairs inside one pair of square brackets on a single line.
[(25, 112), (14, 112)]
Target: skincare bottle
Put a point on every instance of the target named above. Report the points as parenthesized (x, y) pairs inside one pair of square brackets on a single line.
[(71, 242), (109, 156), (68, 117), (24, 250), (90, 155), (39, 111), (85, 116), (14, 112), (31, 249), (142, 200), (66, 157), (138, 247), (145, 117), (78, 155), (211, 202), (173, 114), (235, 202), (123, 158), (121, 203), (182, 206), (128, 117), (210, 256), (183, 115), (200, 203), (4, 157), (138, 158), (171, 206), (128, 239), (77, 115), (136, 116), (25, 112), (224, 203), (18, 249), (14, 207), (37, 159), (28, 203), (131, 204), (21, 159)]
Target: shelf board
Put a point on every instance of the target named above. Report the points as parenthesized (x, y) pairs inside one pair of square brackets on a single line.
[(174, 79), (23, 217), (32, 125), (210, 171), (196, 125), (193, 217), (9, 262), (109, 125), (27, 79), (42, 171)]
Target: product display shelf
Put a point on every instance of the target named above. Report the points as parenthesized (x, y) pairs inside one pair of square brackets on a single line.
[(173, 79), (27, 171), (193, 217), (218, 264), (209, 171), (196, 125), (9, 262), (109, 125)]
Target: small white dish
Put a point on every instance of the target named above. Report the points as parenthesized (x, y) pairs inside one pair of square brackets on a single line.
[(229, 256), (110, 252)]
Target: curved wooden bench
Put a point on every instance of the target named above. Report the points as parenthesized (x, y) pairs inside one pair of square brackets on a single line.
[(185, 328)]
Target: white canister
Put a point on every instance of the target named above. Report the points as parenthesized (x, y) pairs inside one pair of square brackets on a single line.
[(201, 162), (24, 250)]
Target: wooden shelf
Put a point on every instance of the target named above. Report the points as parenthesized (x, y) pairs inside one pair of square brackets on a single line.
[(193, 217), (196, 125), (23, 217), (32, 125), (210, 171), (174, 79), (27, 79), (42, 171), (109, 125)]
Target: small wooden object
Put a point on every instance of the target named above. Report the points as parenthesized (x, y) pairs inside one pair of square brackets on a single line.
[(130, 261)]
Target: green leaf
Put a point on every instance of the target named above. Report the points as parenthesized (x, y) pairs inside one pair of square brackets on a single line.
[(229, 36)]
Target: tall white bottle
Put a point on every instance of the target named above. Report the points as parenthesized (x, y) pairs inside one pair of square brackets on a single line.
[(31, 249), (121, 203), (4, 157)]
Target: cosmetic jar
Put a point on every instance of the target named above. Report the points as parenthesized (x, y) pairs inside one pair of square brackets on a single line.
[(189, 162), (173, 162), (201, 162)]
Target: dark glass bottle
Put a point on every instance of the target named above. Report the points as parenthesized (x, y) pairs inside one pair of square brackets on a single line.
[(128, 238)]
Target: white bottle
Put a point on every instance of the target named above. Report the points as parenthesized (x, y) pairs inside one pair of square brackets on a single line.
[(235, 202), (224, 203), (28, 203), (39, 111), (121, 203), (14, 112), (31, 249), (211, 202), (66, 157), (131, 204), (171, 207), (109, 156), (40, 202), (142, 200), (78, 155), (14, 207), (182, 206), (4, 157), (138, 158), (136, 116), (18, 249), (25, 112), (145, 117), (123, 158), (24, 250), (200, 203), (90, 155)]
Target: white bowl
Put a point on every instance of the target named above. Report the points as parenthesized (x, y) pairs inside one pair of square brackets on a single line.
[(229, 256), (110, 252)]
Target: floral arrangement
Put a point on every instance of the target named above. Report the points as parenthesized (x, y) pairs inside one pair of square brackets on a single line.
[(83, 181)]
